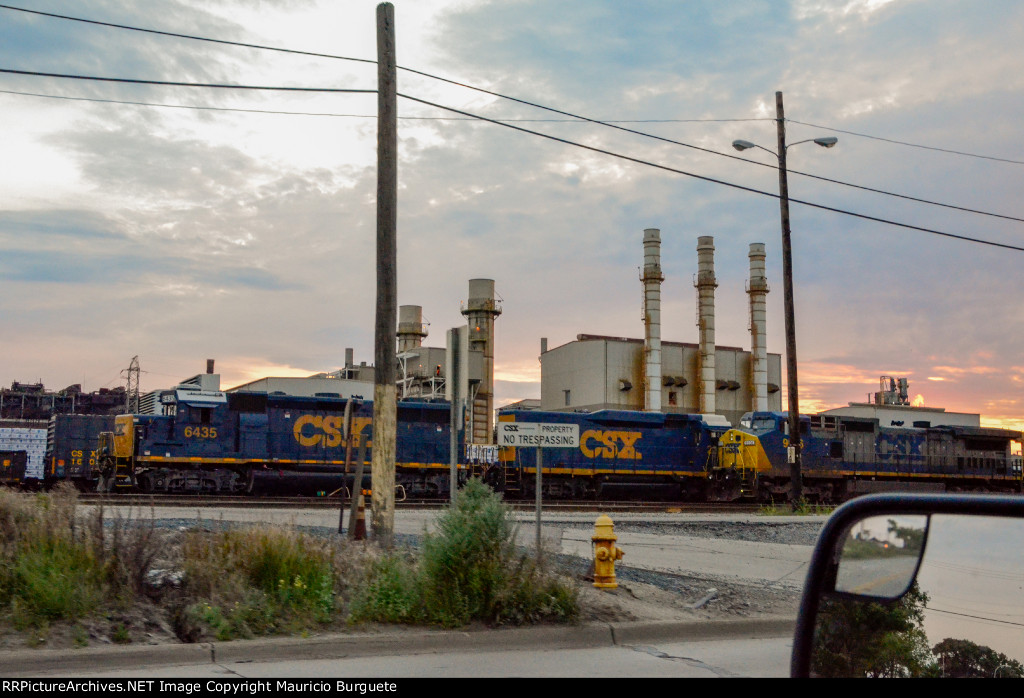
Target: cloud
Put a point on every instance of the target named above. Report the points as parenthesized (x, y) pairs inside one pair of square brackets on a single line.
[(251, 238)]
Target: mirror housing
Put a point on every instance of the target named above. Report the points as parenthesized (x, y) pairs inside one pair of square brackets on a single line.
[(821, 574)]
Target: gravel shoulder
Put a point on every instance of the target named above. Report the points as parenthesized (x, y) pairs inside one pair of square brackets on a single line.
[(645, 595)]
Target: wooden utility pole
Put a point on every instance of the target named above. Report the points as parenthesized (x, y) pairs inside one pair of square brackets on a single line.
[(796, 484), (385, 392)]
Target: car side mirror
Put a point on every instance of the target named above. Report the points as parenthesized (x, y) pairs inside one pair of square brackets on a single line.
[(896, 582)]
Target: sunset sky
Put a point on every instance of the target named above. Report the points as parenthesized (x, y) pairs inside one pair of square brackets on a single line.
[(186, 223)]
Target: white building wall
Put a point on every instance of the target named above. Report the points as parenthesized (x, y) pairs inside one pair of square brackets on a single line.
[(592, 369), (578, 368), (904, 415), (308, 387)]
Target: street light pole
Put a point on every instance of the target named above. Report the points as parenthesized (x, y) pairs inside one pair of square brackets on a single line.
[(796, 482)]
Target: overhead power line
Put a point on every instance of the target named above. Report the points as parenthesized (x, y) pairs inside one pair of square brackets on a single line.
[(968, 615), (535, 133), (188, 106), (168, 83), (571, 116), (713, 180), (422, 118), (201, 107), (909, 145), (185, 36)]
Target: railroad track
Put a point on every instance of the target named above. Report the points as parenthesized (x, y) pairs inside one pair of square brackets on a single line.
[(214, 501)]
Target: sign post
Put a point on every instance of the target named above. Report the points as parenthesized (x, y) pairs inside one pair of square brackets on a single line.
[(541, 436)]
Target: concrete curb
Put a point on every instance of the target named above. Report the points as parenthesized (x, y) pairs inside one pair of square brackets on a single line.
[(37, 663)]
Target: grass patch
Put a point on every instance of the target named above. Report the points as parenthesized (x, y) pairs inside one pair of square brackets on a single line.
[(58, 566), (802, 508)]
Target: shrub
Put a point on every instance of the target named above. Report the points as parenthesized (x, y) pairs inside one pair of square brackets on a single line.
[(469, 570)]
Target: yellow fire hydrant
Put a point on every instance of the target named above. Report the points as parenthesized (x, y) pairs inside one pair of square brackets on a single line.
[(605, 553)]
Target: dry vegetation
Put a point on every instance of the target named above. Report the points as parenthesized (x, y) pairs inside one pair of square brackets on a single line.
[(70, 577)]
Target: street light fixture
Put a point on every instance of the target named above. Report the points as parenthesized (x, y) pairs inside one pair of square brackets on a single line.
[(796, 486)]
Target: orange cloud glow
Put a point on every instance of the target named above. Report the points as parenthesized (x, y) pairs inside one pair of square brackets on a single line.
[(522, 373), (956, 371), (246, 370)]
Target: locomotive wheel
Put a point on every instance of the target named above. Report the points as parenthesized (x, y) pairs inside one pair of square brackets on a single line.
[(251, 486)]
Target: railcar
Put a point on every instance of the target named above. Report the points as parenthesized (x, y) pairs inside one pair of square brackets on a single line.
[(13, 465), (843, 456), (71, 443)]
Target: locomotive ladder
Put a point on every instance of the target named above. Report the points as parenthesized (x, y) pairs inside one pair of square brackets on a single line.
[(513, 475), (748, 485)]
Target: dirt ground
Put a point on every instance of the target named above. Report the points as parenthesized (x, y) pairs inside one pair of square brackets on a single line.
[(691, 599)]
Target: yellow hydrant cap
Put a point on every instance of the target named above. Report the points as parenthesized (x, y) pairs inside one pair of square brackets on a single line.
[(603, 528)]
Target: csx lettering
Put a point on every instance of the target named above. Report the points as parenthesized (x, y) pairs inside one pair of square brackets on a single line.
[(610, 444), (325, 430), (314, 430)]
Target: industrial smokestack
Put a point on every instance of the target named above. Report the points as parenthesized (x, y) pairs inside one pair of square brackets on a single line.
[(480, 310), (410, 327), (706, 285), (757, 288), (652, 278), (209, 365)]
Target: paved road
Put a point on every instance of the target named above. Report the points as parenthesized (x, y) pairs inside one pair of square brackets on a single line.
[(692, 649), (709, 659)]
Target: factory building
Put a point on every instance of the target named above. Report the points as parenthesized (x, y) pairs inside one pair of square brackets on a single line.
[(351, 381), (421, 370), (605, 373), (892, 408), (598, 372)]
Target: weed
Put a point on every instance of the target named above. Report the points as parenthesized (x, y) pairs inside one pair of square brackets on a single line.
[(121, 635), (57, 580), (390, 593), (801, 508), (249, 582)]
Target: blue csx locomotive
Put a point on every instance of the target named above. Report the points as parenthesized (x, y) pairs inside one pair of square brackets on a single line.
[(244, 442)]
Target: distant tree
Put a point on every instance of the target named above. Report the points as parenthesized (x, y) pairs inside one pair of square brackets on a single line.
[(963, 659), (913, 538), (874, 640)]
